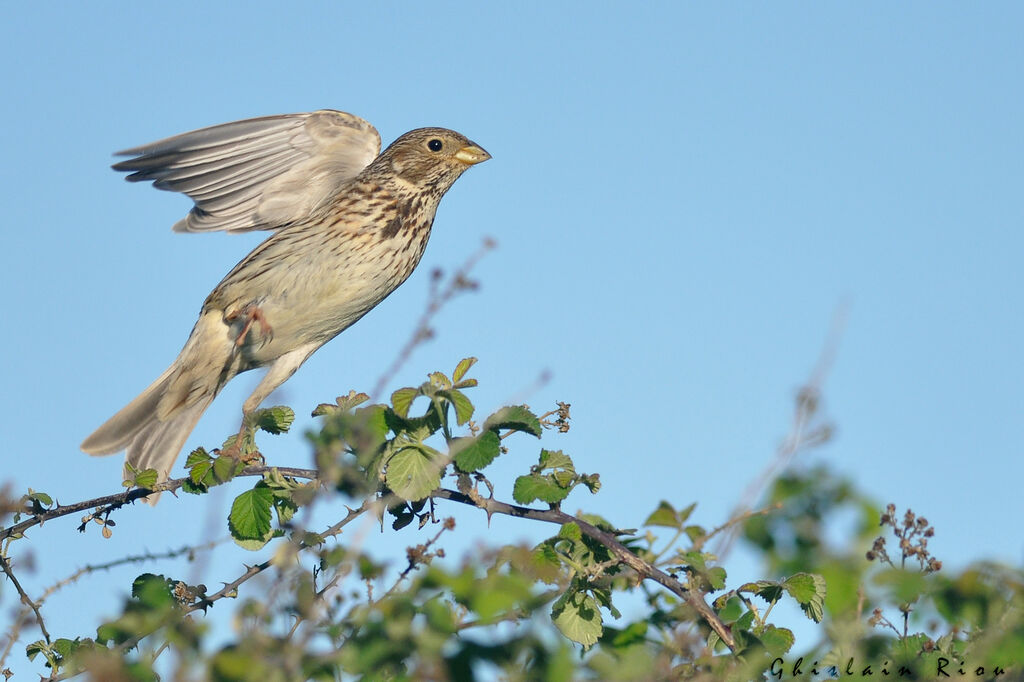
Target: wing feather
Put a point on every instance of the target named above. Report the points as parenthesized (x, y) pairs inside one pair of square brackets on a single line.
[(256, 174)]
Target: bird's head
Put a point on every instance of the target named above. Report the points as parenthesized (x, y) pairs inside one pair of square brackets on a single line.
[(430, 157)]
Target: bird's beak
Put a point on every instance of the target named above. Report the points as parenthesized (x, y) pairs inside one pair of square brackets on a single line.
[(472, 155)]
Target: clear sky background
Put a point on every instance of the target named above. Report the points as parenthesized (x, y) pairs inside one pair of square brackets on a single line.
[(682, 196)]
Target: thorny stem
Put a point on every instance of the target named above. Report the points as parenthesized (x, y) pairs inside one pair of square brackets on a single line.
[(109, 503), (491, 506), (25, 599), (642, 568)]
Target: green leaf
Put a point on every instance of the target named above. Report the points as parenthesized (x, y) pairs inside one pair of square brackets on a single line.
[(34, 649), (516, 418), (473, 454), (556, 459), (341, 404), (275, 420), (402, 399), (732, 610), (578, 618), (285, 509), (45, 500), (744, 622), (777, 641), (463, 407), (532, 487), (665, 515), (144, 479), (809, 591), (226, 468), (413, 474), (199, 472), (716, 577), (439, 380), (193, 488), (462, 368), (196, 456), (250, 514), (570, 531), (768, 590), (153, 591)]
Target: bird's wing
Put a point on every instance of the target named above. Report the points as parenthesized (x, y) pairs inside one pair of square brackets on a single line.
[(256, 174)]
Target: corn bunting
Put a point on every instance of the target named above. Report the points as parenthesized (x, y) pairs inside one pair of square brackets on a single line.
[(349, 227)]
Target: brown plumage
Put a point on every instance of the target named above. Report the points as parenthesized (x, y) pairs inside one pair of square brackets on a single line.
[(350, 228)]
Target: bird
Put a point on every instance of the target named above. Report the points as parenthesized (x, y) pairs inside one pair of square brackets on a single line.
[(350, 224)]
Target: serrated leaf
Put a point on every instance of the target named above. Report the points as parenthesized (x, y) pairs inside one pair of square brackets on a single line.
[(143, 479), (765, 589), (254, 545), (35, 648), (473, 454), (402, 399), (809, 591), (579, 619), (196, 456), (199, 471), (570, 531), (556, 459), (413, 474), (152, 590), (439, 380), (685, 512), (226, 468), (592, 481), (285, 509), (532, 487), (777, 641), (462, 368), (516, 418), (341, 404), (463, 406), (250, 514), (716, 577), (275, 420), (193, 488)]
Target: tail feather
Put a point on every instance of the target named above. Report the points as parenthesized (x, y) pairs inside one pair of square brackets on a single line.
[(152, 442), (117, 432), (157, 444), (154, 427)]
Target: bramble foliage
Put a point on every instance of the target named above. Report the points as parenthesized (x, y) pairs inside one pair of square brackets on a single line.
[(519, 613)]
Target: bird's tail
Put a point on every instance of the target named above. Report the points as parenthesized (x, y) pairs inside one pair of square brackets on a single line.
[(153, 427)]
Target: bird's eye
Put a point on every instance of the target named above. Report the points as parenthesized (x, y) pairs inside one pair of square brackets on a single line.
[(434, 145)]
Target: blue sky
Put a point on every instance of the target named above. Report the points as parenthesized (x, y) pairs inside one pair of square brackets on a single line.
[(682, 195)]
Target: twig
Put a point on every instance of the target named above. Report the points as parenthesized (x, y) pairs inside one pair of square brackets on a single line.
[(231, 588), (438, 298), (5, 565), (642, 568), (807, 404), (112, 502), (131, 559)]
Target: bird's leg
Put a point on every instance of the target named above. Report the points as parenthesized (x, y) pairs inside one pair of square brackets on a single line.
[(280, 370), (250, 314)]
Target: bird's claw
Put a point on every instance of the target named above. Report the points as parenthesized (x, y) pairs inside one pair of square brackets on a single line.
[(250, 314)]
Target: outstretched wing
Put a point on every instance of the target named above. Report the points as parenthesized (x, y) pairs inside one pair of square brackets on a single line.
[(256, 174)]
